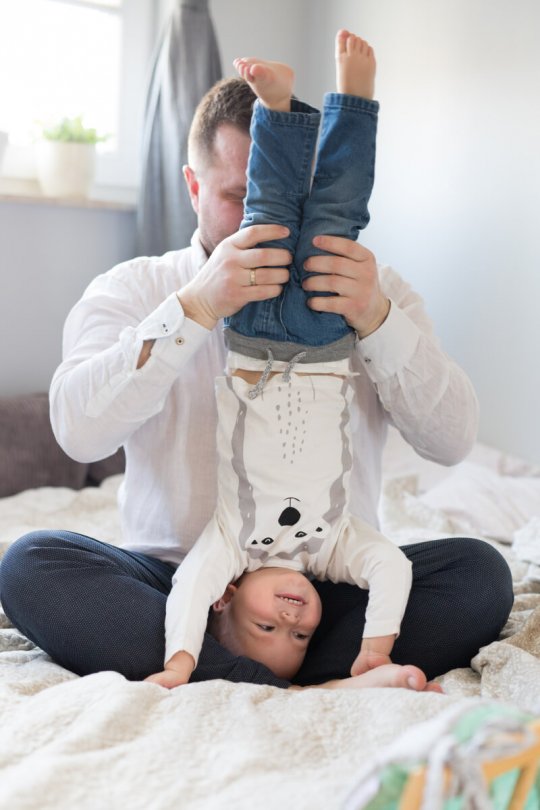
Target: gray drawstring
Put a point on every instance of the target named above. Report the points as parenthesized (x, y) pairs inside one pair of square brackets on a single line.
[(290, 364), (254, 393)]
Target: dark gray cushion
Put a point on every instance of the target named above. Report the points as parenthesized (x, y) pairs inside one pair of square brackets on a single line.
[(29, 454), (31, 457)]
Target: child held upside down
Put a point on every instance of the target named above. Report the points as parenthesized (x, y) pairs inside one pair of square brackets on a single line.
[(283, 435)]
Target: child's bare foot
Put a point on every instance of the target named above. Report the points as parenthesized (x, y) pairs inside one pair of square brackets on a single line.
[(392, 675), (355, 65), (272, 82)]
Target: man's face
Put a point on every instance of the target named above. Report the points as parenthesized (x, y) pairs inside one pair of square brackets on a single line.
[(273, 612), (218, 186)]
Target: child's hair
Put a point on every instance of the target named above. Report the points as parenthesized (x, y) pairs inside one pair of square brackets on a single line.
[(229, 101)]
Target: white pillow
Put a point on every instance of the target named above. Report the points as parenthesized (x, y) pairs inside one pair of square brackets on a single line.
[(494, 505)]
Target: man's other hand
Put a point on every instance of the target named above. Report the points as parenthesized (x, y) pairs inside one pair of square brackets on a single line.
[(350, 273)]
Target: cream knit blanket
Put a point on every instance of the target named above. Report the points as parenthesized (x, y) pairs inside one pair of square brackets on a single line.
[(102, 742)]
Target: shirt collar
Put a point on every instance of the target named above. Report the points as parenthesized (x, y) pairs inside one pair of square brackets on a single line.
[(199, 253)]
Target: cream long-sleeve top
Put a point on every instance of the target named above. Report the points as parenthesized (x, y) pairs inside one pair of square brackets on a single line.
[(356, 554), (164, 414), (284, 463)]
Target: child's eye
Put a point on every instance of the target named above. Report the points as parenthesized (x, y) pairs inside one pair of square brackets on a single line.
[(266, 627), (301, 636)]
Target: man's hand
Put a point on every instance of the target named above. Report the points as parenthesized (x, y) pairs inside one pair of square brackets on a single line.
[(224, 284), (177, 671), (351, 273)]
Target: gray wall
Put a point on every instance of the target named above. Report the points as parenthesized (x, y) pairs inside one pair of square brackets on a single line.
[(456, 207), (48, 255)]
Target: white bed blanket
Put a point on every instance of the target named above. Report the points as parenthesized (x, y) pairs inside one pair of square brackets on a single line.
[(103, 742)]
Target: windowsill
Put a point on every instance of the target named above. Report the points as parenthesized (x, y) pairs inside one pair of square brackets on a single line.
[(16, 190)]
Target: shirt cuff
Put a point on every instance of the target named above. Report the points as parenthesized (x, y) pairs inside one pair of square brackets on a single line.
[(177, 338), (389, 349), (162, 321)]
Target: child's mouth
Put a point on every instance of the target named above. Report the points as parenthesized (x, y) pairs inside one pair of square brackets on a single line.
[(291, 599)]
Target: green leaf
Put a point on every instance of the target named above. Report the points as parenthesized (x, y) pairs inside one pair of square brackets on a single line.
[(72, 130)]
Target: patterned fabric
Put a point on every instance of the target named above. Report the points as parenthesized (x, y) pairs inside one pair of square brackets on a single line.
[(459, 740)]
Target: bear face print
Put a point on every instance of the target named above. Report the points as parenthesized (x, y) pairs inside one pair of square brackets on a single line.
[(292, 536)]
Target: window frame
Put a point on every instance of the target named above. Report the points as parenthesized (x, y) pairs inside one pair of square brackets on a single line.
[(119, 167)]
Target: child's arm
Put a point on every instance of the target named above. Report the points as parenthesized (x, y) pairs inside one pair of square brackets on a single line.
[(197, 583), (177, 671), (374, 652), (366, 558)]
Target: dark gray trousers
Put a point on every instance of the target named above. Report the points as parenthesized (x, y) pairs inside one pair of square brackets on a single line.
[(93, 607)]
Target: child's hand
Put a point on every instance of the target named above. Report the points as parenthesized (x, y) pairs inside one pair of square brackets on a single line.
[(374, 652), (368, 659), (167, 678), (177, 671)]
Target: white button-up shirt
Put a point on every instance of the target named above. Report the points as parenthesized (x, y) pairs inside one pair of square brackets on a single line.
[(164, 414)]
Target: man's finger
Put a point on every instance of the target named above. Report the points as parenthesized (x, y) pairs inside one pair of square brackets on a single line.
[(329, 303), (333, 264), (265, 257), (261, 276), (343, 247), (339, 285), (249, 237), (261, 293)]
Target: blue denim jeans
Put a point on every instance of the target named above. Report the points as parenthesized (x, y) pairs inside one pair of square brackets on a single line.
[(278, 191)]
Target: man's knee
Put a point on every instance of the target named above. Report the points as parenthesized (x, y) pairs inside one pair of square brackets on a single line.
[(470, 575), (482, 553), (489, 578), (19, 569)]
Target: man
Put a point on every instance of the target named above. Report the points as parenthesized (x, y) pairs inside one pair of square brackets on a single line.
[(141, 351)]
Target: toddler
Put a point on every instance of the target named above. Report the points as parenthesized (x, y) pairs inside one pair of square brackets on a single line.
[(284, 435)]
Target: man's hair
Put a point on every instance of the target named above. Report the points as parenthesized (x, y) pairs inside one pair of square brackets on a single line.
[(229, 101)]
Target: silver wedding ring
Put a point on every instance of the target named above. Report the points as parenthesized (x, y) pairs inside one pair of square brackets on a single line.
[(252, 278)]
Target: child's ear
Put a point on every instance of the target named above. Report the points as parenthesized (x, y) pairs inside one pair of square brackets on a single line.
[(224, 600)]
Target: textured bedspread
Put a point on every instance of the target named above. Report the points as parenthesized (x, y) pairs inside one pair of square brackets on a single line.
[(104, 742)]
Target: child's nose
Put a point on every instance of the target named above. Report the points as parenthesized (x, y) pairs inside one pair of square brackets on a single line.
[(289, 617)]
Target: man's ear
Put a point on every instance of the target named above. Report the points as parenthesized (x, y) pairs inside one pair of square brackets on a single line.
[(223, 601), (192, 185)]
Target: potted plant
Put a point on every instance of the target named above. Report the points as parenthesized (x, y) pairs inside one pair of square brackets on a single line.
[(66, 155)]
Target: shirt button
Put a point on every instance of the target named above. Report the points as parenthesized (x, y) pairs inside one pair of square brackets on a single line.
[(179, 341), (367, 359)]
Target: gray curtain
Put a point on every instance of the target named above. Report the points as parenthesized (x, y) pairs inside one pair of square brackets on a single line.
[(187, 64)]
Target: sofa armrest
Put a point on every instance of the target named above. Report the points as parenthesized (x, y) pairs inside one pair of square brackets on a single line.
[(31, 457)]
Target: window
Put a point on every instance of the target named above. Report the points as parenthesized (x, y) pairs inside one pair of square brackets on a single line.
[(75, 57)]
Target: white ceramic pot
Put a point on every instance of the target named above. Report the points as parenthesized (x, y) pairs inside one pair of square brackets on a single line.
[(65, 169)]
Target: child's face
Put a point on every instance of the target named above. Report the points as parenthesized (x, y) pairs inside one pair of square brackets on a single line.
[(272, 614)]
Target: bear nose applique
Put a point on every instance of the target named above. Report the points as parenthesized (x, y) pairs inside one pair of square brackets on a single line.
[(289, 516)]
